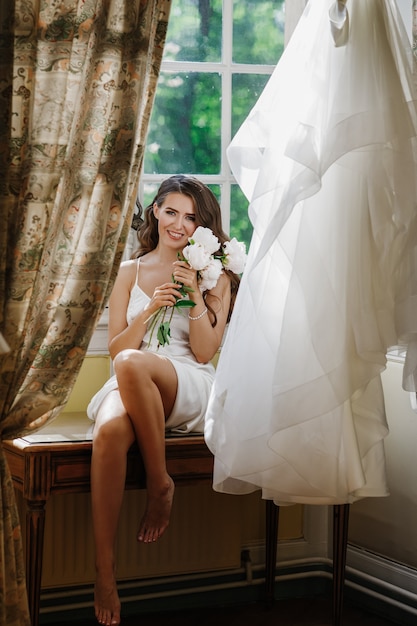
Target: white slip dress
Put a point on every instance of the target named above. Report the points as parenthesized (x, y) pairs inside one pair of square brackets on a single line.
[(194, 379), (328, 160)]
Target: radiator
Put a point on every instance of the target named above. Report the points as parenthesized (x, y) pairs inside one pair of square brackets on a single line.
[(204, 534)]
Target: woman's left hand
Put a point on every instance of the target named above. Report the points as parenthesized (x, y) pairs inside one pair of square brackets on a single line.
[(185, 275)]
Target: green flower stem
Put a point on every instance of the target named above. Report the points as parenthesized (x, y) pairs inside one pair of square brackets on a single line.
[(154, 321), (164, 328)]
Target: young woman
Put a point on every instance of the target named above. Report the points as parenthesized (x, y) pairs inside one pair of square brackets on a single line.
[(155, 387)]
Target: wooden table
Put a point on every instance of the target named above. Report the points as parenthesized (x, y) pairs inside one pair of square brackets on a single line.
[(42, 468), (56, 460)]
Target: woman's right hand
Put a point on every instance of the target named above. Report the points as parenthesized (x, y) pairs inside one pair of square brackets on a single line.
[(164, 295)]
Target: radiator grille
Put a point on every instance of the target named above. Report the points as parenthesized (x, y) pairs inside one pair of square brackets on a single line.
[(203, 535)]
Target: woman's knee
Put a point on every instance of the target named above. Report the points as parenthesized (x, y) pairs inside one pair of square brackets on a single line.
[(135, 367), (116, 432), (127, 363)]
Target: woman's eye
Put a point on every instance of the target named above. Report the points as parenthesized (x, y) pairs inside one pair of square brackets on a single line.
[(191, 218)]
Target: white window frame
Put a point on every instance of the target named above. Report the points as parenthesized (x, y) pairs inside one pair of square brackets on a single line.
[(226, 68)]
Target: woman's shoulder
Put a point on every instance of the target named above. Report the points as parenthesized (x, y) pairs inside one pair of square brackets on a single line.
[(127, 272), (128, 265), (221, 291), (222, 284)]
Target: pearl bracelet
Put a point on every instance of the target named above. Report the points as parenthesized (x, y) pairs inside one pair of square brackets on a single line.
[(197, 317)]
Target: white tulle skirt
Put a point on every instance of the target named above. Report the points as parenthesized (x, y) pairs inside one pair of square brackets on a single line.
[(328, 160)]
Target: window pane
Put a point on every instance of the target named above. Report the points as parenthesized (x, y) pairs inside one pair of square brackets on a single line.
[(258, 31), (149, 193), (240, 225), (216, 191), (194, 31), (184, 131), (246, 89)]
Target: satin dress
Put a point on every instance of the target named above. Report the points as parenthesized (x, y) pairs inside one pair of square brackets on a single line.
[(194, 379)]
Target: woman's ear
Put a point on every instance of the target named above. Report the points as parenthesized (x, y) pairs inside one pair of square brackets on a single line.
[(155, 210)]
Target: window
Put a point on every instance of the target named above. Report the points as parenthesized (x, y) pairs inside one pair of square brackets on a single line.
[(217, 59)]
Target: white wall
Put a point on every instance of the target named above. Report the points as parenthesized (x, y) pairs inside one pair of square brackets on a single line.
[(388, 526), (405, 7)]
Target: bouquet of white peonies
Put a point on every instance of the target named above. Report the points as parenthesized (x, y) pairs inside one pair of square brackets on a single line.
[(205, 255)]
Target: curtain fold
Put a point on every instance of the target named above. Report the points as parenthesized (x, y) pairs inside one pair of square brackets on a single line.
[(77, 82), (414, 38)]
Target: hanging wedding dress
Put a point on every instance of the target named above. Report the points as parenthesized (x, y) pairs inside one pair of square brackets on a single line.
[(327, 158)]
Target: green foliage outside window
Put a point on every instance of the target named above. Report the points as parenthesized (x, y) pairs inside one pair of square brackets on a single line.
[(195, 31), (184, 134), (258, 31), (185, 131)]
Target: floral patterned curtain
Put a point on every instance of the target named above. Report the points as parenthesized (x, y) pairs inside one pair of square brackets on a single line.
[(77, 81), (414, 35)]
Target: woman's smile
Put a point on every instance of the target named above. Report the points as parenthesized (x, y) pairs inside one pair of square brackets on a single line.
[(175, 235)]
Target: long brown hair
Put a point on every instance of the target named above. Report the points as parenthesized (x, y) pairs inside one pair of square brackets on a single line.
[(207, 214)]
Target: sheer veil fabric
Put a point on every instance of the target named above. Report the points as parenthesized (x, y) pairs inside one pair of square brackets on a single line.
[(328, 160)]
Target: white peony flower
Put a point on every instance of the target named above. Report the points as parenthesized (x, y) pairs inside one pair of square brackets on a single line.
[(197, 256), (200, 255), (235, 252), (206, 238), (210, 275)]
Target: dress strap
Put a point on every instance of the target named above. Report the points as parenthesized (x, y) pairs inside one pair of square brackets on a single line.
[(137, 272)]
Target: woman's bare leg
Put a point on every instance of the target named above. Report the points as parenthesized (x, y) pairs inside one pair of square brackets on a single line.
[(113, 436), (148, 387)]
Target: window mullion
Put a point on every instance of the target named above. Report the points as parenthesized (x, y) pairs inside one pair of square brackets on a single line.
[(226, 110)]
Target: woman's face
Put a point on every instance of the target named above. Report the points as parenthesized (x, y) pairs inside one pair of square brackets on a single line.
[(176, 220)]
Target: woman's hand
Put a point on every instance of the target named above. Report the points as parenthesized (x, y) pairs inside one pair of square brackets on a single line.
[(187, 276), (164, 295)]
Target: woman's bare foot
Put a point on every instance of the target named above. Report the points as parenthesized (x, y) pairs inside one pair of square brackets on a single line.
[(157, 513), (106, 601)]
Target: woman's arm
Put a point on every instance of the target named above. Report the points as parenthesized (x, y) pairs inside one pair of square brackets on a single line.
[(204, 339), (121, 335)]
